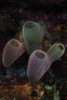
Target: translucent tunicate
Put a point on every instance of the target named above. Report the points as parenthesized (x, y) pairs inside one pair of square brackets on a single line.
[(56, 51), (38, 63), (33, 34), (12, 51)]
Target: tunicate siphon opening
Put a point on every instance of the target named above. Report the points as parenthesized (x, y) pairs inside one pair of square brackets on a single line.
[(15, 43), (29, 25), (61, 47), (40, 55)]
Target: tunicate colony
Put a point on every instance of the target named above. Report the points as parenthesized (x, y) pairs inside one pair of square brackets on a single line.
[(39, 60)]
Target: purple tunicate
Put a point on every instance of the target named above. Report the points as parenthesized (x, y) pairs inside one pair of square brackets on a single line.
[(12, 51), (39, 63)]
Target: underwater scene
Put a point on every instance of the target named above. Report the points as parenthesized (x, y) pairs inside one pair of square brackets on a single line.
[(33, 50)]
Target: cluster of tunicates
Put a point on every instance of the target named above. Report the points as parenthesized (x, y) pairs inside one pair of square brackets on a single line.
[(39, 60)]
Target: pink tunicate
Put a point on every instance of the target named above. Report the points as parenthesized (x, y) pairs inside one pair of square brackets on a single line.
[(12, 51), (39, 63)]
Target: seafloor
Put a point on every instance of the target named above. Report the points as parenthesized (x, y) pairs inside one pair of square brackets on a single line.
[(13, 14)]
